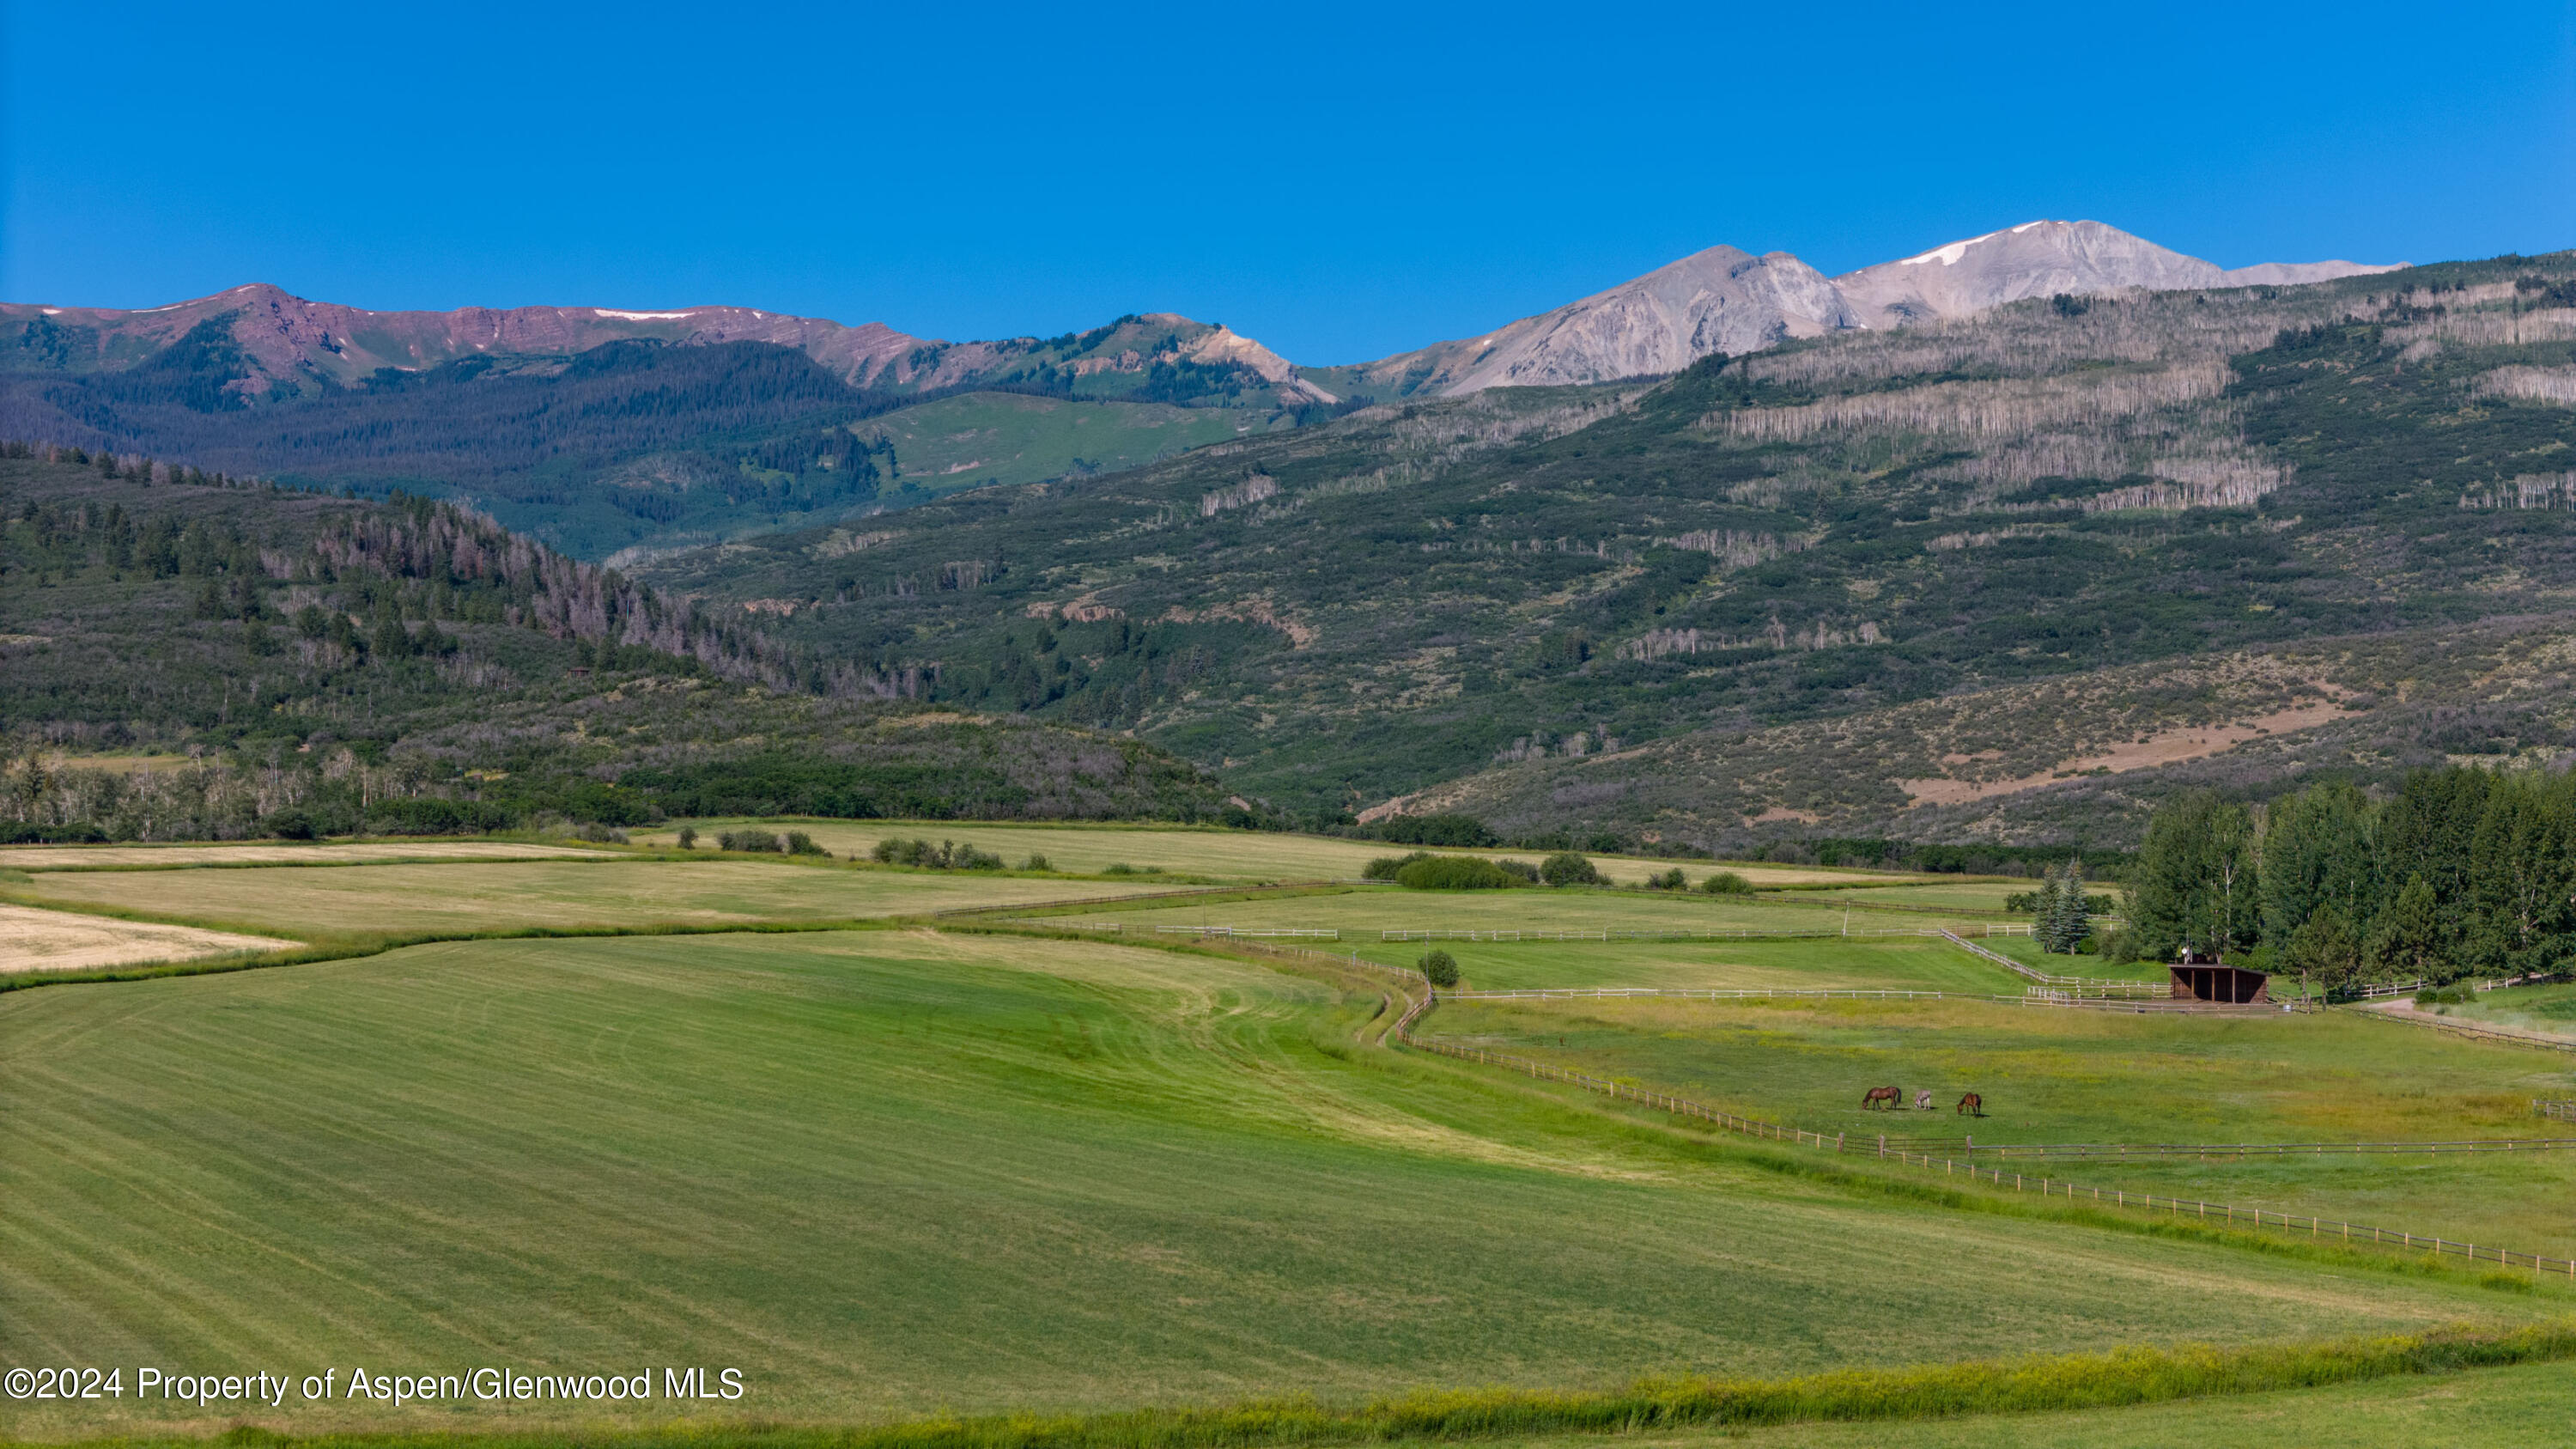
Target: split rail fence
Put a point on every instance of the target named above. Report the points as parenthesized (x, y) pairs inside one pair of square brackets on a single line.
[(2317, 1228), (2474, 1033), (2095, 985), (2035, 996)]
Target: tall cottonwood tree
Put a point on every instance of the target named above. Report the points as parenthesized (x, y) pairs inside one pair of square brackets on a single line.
[(2195, 883), (2318, 854)]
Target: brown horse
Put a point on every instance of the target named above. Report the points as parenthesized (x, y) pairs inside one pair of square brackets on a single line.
[(1973, 1105), (1889, 1095)]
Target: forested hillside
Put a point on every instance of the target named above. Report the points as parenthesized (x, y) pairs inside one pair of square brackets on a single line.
[(191, 656), (1508, 582), (647, 443)]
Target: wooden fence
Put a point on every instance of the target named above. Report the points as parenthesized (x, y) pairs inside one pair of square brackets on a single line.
[(1262, 933), (2101, 985), (1183, 893), (2207, 1151), (2318, 1229), (2563, 1111), (2475, 1033), (1727, 933)]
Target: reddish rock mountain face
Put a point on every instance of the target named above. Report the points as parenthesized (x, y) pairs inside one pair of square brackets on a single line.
[(288, 337), (1720, 300)]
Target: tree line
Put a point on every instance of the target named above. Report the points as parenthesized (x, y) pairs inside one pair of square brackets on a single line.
[(2461, 872)]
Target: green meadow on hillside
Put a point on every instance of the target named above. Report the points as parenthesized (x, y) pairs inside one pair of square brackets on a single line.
[(890, 1173), (983, 438)]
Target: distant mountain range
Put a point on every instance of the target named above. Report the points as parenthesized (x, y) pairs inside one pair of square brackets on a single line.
[(291, 342), (1726, 300), (1719, 300)]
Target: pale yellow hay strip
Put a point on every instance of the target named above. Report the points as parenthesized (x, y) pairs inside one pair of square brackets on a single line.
[(56, 857), (40, 940)]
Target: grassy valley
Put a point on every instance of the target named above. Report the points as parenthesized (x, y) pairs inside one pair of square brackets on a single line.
[(769, 1112)]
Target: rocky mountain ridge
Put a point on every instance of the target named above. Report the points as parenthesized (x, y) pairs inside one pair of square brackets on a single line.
[(1723, 299), (1727, 300), (290, 341)]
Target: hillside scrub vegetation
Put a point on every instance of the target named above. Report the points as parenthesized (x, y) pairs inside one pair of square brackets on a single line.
[(2035, 494), (185, 656)]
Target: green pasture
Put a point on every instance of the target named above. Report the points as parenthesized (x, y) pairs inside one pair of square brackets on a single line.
[(1976, 895), (396, 899), (1231, 855), (1881, 963), (2025, 949), (2059, 1075), (890, 1173), (1362, 912), (2550, 1007)]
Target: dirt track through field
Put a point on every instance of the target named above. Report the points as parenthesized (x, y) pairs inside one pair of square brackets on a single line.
[(40, 940)]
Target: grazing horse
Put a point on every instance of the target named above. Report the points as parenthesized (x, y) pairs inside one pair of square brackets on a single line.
[(1923, 1100), (1973, 1105), (1889, 1095)]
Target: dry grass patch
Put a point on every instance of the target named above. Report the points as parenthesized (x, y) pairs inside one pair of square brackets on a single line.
[(63, 857), (469, 896), (40, 940)]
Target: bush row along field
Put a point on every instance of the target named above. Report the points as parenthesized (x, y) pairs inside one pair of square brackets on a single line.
[(2057, 1075), (1228, 854), (893, 1172)]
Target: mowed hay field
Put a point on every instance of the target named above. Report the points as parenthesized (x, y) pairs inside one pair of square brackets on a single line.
[(2053, 1075), (552, 894), (892, 1172), (1866, 963), (1220, 854), (1368, 910), (90, 857), (40, 940)]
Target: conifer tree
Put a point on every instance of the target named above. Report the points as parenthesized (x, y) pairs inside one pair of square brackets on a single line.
[(2406, 940), (2071, 925)]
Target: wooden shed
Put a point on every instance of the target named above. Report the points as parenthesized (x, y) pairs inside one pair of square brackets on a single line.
[(2207, 978)]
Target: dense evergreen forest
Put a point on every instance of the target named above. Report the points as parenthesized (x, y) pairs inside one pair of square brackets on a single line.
[(2461, 872)]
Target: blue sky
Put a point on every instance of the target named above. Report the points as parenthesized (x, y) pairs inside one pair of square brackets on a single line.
[(1341, 182)]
